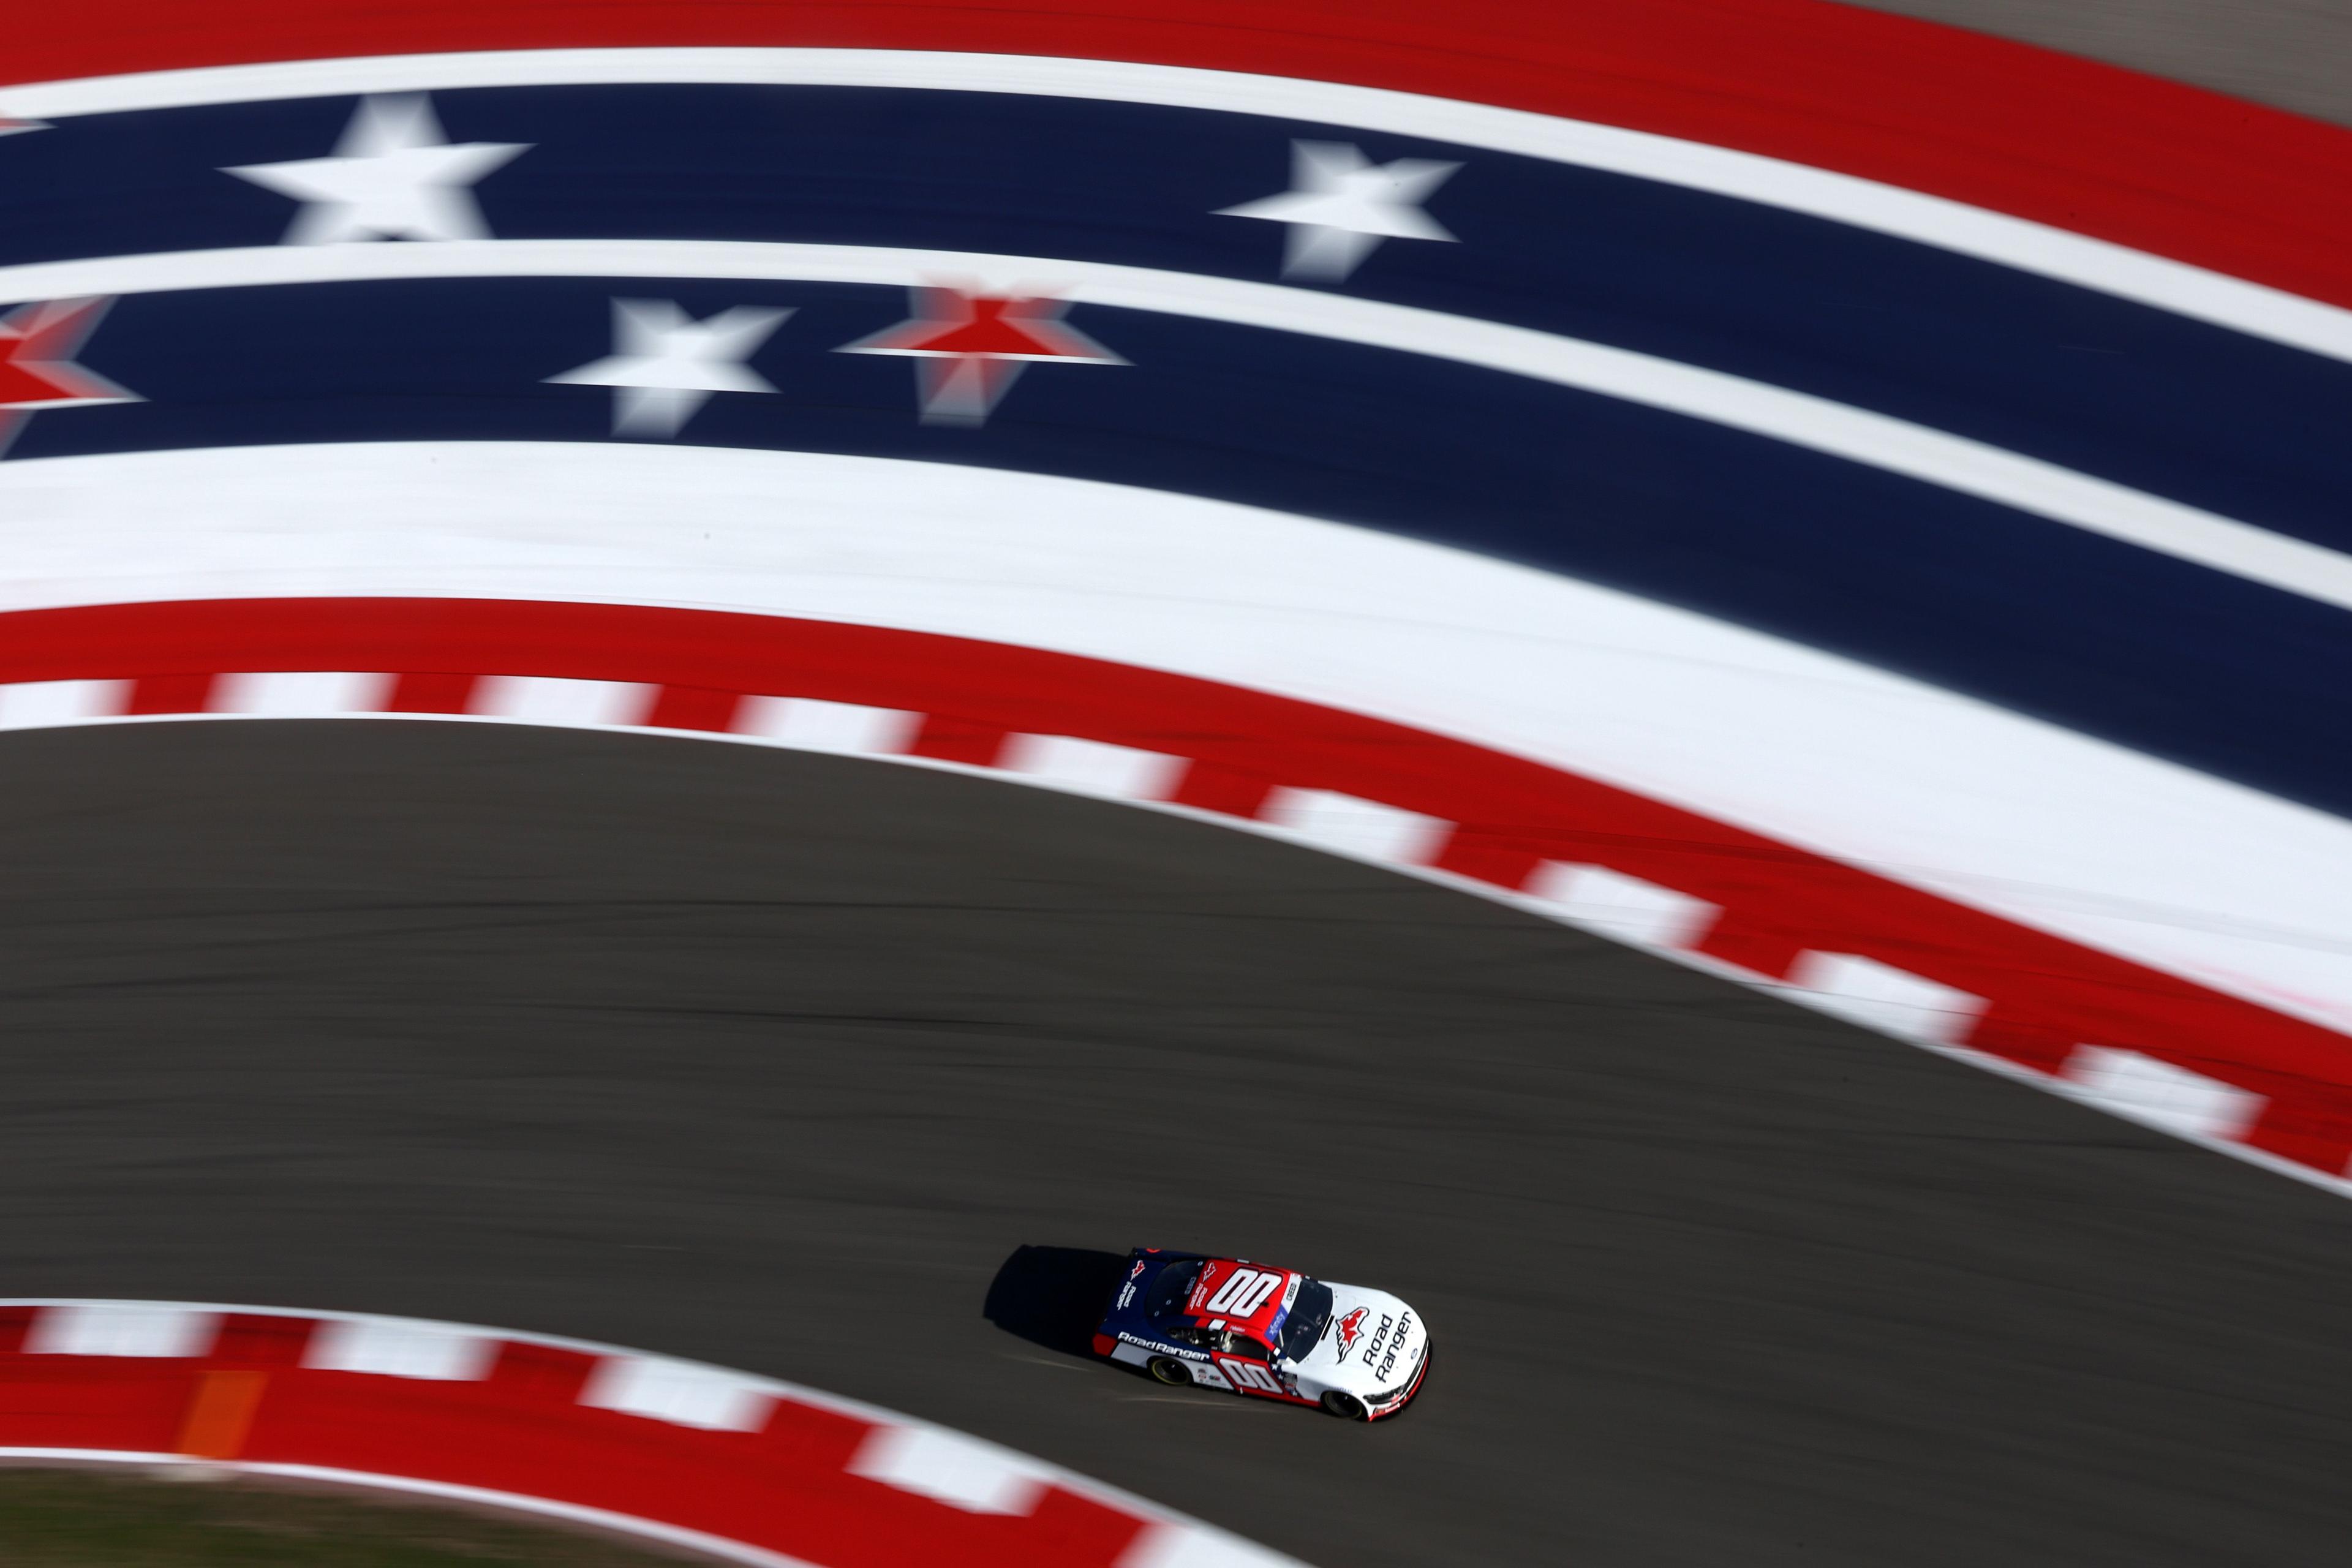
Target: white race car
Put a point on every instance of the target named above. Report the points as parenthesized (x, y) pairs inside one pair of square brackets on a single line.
[(1248, 1328)]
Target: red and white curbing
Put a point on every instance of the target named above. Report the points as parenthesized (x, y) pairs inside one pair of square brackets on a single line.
[(748, 1469), (2151, 1047)]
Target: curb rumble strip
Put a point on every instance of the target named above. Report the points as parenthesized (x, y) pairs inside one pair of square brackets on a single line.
[(750, 1468), (2150, 1047)]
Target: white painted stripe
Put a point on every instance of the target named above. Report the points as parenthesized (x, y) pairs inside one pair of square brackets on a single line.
[(144, 1329), (38, 704), (949, 1467), (1949, 225), (850, 727), (1622, 908), (2166, 1097), (2022, 818), (686, 1393), (1857, 434), (1121, 773), (302, 694), (401, 1347), (1344, 824), (1194, 1546), (550, 699), (1880, 996)]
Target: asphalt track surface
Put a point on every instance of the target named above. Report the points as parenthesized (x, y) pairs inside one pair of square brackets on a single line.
[(2290, 54), (773, 1060)]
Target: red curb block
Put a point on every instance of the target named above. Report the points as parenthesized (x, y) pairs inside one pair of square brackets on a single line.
[(2131, 1038), (748, 1468)]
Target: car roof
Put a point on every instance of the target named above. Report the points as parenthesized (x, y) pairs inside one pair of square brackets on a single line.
[(1233, 1292)]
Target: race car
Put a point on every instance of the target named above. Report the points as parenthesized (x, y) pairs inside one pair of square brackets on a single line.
[(1249, 1328)]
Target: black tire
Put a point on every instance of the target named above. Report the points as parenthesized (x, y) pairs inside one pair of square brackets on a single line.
[(1171, 1372), (1346, 1407)]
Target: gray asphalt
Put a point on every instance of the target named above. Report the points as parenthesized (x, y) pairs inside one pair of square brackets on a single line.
[(2290, 54), (773, 1060)]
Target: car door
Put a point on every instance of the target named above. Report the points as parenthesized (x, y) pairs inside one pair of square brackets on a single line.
[(1247, 1365)]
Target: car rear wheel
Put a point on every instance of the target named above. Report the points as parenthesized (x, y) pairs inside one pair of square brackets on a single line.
[(1170, 1371), (1346, 1407)]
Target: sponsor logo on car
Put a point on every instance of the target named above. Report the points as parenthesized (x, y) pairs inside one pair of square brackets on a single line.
[(1160, 1347), (1380, 1338), (1127, 1292), (1388, 1362), (1352, 1329)]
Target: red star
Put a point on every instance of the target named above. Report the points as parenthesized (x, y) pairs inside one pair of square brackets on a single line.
[(969, 346), (37, 343)]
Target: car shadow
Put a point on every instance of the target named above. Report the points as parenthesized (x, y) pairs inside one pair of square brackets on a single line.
[(1054, 1295)]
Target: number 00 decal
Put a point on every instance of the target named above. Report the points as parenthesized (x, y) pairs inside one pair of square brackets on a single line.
[(1244, 1292), (1250, 1375)]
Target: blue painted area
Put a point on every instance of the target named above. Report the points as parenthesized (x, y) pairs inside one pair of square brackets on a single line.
[(2244, 428), (2171, 660), (1124, 1315)]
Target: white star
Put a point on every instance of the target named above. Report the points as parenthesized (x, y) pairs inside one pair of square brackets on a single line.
[(1340, 205), (392, 177), (669, 363)]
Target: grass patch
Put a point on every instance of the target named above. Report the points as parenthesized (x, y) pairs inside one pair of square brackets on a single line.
[(85, 1519)]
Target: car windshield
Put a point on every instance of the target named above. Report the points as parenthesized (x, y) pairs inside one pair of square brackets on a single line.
[(1168, 1291), (1309, 1316)]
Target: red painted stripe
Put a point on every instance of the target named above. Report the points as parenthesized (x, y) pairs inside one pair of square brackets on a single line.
[(693, 708), (261, 1340), (785, 1487), (175, 693), (2047, 994), (432, 691), (953, 737), (2148, 164)]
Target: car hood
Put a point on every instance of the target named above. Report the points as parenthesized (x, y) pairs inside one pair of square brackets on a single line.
[(1374, 1342)]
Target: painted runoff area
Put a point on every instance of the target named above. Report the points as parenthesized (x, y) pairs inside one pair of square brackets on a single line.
[(723, 1463), (1857, 435), (2027, 821), (2021, 157), (1818, 193), (2129, 1039)]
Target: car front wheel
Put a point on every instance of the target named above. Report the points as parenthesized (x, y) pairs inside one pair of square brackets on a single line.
[(1170, 1371), (1346, 1407)]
